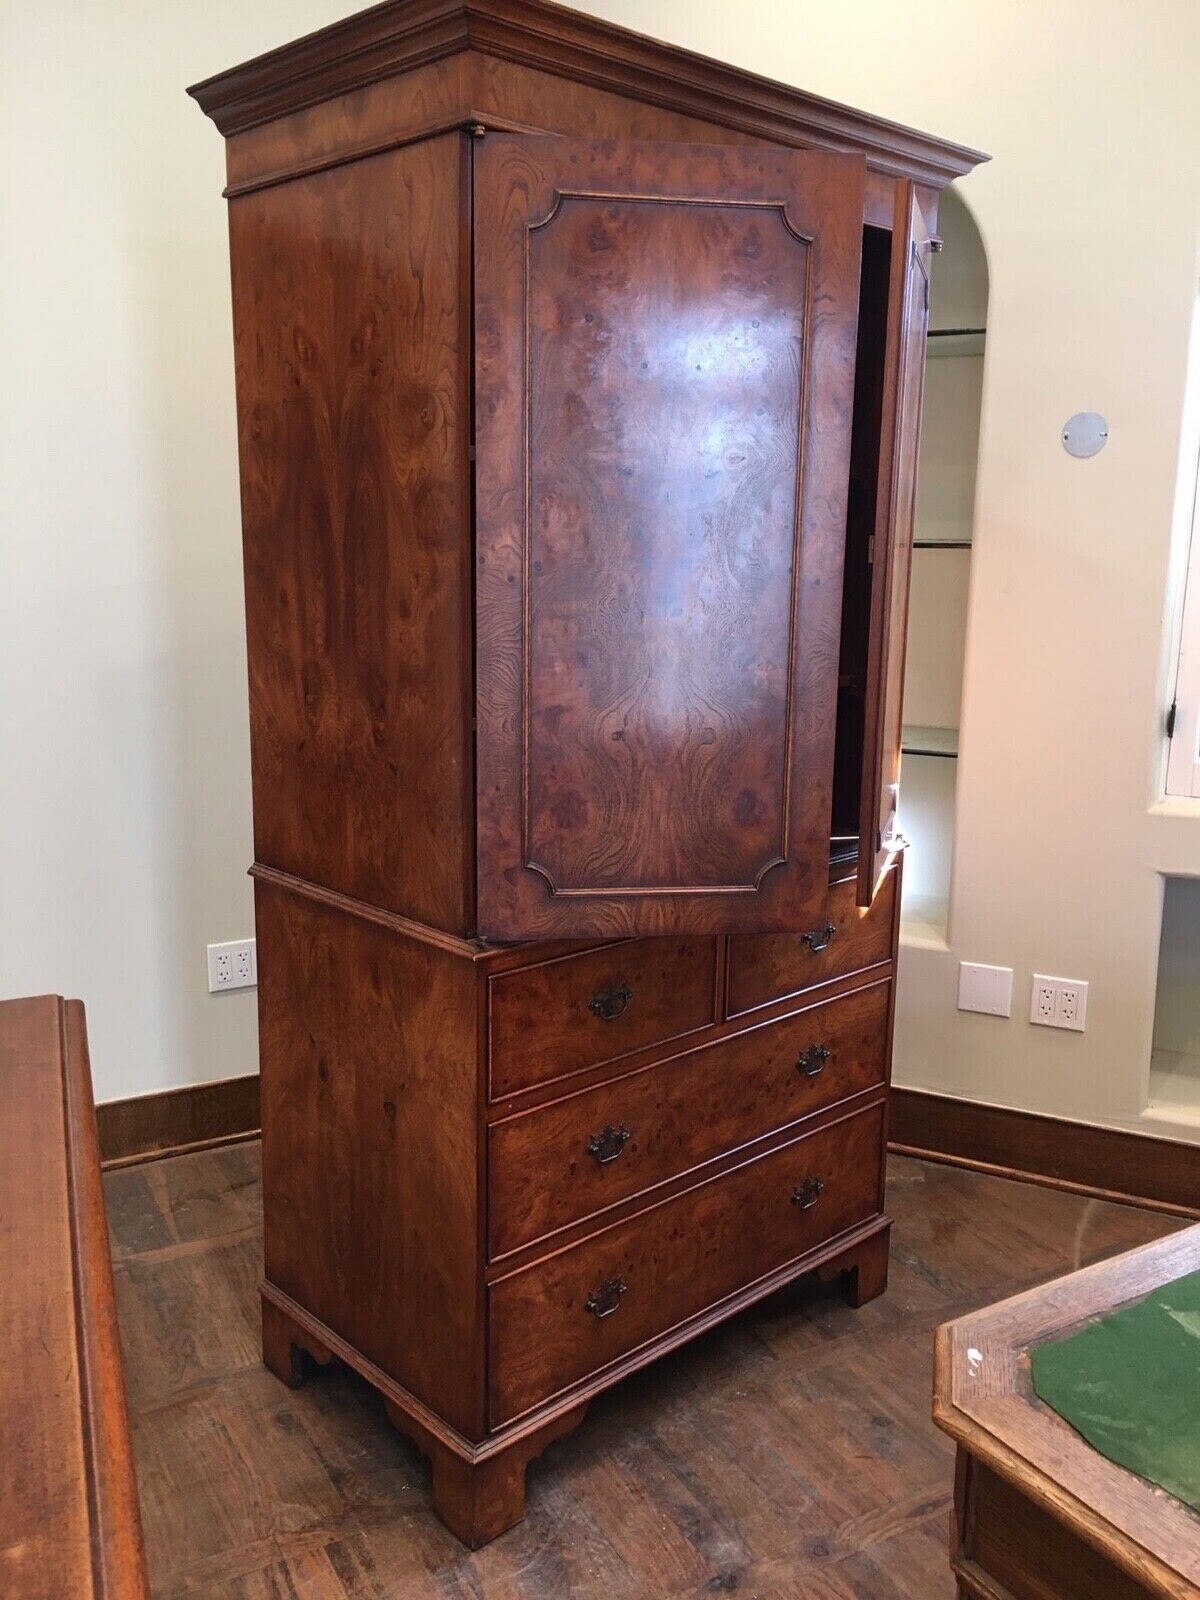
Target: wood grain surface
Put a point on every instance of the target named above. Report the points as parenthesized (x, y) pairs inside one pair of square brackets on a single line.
[(677, 1114), (769, 966), (983, 1398), (70, 1527), (276, 91), (369, 1048), (351, 350), (674, 1261), (661, 491), (555, 1017)]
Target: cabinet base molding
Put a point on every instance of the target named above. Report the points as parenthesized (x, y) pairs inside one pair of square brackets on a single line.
[(479, 1487)]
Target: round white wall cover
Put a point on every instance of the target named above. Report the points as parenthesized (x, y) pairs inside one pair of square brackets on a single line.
[(1084, 434)]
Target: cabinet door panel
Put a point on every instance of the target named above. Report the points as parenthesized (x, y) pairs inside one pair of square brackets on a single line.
[(664, 378), (903, 385)]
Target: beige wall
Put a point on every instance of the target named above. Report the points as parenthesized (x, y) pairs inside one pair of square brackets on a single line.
[(123, 789)]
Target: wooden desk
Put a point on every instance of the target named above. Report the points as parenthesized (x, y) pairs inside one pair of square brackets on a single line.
[(1039, 1514), (69, 1522)]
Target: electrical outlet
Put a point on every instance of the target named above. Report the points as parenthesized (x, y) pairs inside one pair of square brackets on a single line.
[(232, 965), (1058, 1002), (984, 988), (1045, 999)]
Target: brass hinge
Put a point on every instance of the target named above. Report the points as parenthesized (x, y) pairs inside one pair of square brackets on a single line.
[(871, 551)]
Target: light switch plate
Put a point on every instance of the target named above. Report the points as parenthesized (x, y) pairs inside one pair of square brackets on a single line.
[(984, 988)]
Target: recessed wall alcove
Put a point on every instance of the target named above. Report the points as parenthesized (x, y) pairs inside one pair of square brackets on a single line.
[(943, 537)]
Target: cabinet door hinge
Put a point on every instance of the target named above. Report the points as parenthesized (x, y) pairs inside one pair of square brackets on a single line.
[(470, 452), (1170, 724), (871, 551)]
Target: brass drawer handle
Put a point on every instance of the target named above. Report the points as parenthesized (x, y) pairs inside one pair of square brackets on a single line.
[(609, 1003), (818, 938), (812, 1061), (602, 1302), (607, 1145), (809, 1192)]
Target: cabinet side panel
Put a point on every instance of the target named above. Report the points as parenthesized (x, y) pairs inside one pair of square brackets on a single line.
[(351, 347), (369, 1050)]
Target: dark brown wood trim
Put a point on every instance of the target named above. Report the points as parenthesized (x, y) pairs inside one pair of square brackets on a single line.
[(469, 949), (1131, 1168), (175, 1121), (374, 147), (402, 34)]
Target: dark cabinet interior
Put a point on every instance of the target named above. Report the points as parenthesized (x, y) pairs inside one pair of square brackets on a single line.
[(861, 511)]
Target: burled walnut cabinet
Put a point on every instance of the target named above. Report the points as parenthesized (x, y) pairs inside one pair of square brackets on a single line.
[(579, 387)]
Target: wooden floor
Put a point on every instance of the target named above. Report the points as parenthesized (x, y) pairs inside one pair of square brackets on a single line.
[(786, 1456)]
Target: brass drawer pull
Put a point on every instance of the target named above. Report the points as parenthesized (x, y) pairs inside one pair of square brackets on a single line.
[(609, 1003), (812, 1061), (819, 937), (809, 1192), (602, 1302), (607, 1145)]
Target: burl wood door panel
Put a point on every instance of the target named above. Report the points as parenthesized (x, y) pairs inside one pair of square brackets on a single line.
[(903, 389), (665, 341)]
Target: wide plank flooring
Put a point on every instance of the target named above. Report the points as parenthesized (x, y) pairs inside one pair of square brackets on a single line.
[(786, 1456)]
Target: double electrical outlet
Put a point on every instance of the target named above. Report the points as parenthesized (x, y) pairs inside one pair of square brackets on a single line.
[(1053, 1002), (1058, 1002), (232, 965)]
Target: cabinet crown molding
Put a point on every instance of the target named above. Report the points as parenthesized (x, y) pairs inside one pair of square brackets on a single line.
[(391, 38)]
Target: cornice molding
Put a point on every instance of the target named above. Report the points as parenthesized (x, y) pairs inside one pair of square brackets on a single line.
[(392, 38)]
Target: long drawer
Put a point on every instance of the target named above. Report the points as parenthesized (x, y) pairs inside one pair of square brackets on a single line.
[(575, 1313), (567, 1160), (764, 967), (560, 1016)]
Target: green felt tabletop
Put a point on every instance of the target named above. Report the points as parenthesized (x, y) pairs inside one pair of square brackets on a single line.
[(1130, 1384)]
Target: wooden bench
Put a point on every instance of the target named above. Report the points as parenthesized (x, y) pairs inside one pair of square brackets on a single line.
[(70, 1528)]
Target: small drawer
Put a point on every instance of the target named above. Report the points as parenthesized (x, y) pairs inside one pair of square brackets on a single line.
[(565, 1161), (764, 967), (575, 1313), (561, 1016)]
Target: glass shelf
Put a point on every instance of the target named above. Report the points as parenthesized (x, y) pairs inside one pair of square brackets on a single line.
[(918, 740), (955, 342)]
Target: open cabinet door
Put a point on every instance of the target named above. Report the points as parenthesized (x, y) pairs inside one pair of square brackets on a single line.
[(664, 360), (903, 384)]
